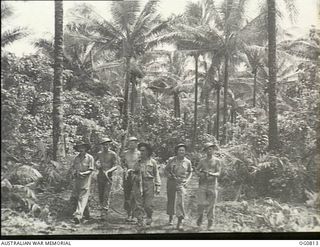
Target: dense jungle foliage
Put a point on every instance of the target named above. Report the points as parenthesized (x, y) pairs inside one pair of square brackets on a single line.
[(161, 95)]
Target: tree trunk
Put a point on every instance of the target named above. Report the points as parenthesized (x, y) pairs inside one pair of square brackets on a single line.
[(57, 113), (133, 95), (125, 119), (92, 66), (207, 107), (225, 97), (218, 114), (255, 71), (176, 101), (272, 64), (195, 102)]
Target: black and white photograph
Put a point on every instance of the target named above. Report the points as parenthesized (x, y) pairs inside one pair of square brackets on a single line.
[(142, 118)]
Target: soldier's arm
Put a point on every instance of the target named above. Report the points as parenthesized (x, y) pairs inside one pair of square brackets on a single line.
[(90, 168), (219, 168), (156, 174), (168, 167), (189, 172)]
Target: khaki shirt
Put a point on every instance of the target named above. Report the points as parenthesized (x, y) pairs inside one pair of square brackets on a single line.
[(82, 165), (107, 159), (180, 169), (212, 165), (148, 169), (129, 159)]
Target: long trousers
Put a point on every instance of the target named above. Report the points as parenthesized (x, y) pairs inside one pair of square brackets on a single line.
[(180, 196), (206, 198), (74, 205), (171, 196), (128, 197), (104, 189), (81, 196), (143, 201)]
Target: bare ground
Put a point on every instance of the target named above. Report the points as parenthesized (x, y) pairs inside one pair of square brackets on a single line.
[(265, 215)]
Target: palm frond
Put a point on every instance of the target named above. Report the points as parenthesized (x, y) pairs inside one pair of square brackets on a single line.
[(46, 46), (6, 10), (9, 36), (291, 7), (146, 16), (124, 14)]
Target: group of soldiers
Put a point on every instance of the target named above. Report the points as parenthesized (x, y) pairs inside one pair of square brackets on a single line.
[(141, 181)]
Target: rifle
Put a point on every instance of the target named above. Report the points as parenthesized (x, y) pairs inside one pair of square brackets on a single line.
[(110, 171)]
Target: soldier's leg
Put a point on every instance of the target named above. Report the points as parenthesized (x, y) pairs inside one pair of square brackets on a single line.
[(181, 191), (138, 199), (101, 188), (171, 197), (148, 192), (107, 194), (81, 204), (211, 207), (130, 198), (180, 212), (86, 212), (126, 194), (201, 204)]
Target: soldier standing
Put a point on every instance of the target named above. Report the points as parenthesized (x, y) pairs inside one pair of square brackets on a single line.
[(83, 165), (179, 170), (106, 163), (129, 158), (146, 183), (209, 170)]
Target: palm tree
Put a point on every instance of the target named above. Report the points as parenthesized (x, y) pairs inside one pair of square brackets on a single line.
[(167, 75), (77, 57), (253, 59), (217, 30), (57, 113), (272, 64), (10, 35), (127, 35)]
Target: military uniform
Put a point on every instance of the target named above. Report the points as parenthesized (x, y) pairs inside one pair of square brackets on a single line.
[(179, 170), (129, 159), (208, 186), (171, 188), (81, 189), (107, 159), (145, 178)]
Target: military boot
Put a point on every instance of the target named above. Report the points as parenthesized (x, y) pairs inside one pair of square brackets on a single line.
[(170, 220), (179, 225), (199, 221), (210, 223)]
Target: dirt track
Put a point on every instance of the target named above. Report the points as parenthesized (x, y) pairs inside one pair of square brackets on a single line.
[(263, 215)]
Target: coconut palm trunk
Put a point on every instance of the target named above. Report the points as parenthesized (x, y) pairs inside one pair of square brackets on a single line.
[(57, 114), (225, 97), (195, 102), (272, 64), (255, 71), (126, 95), (207, 107), (133, 95), (218, 114)]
